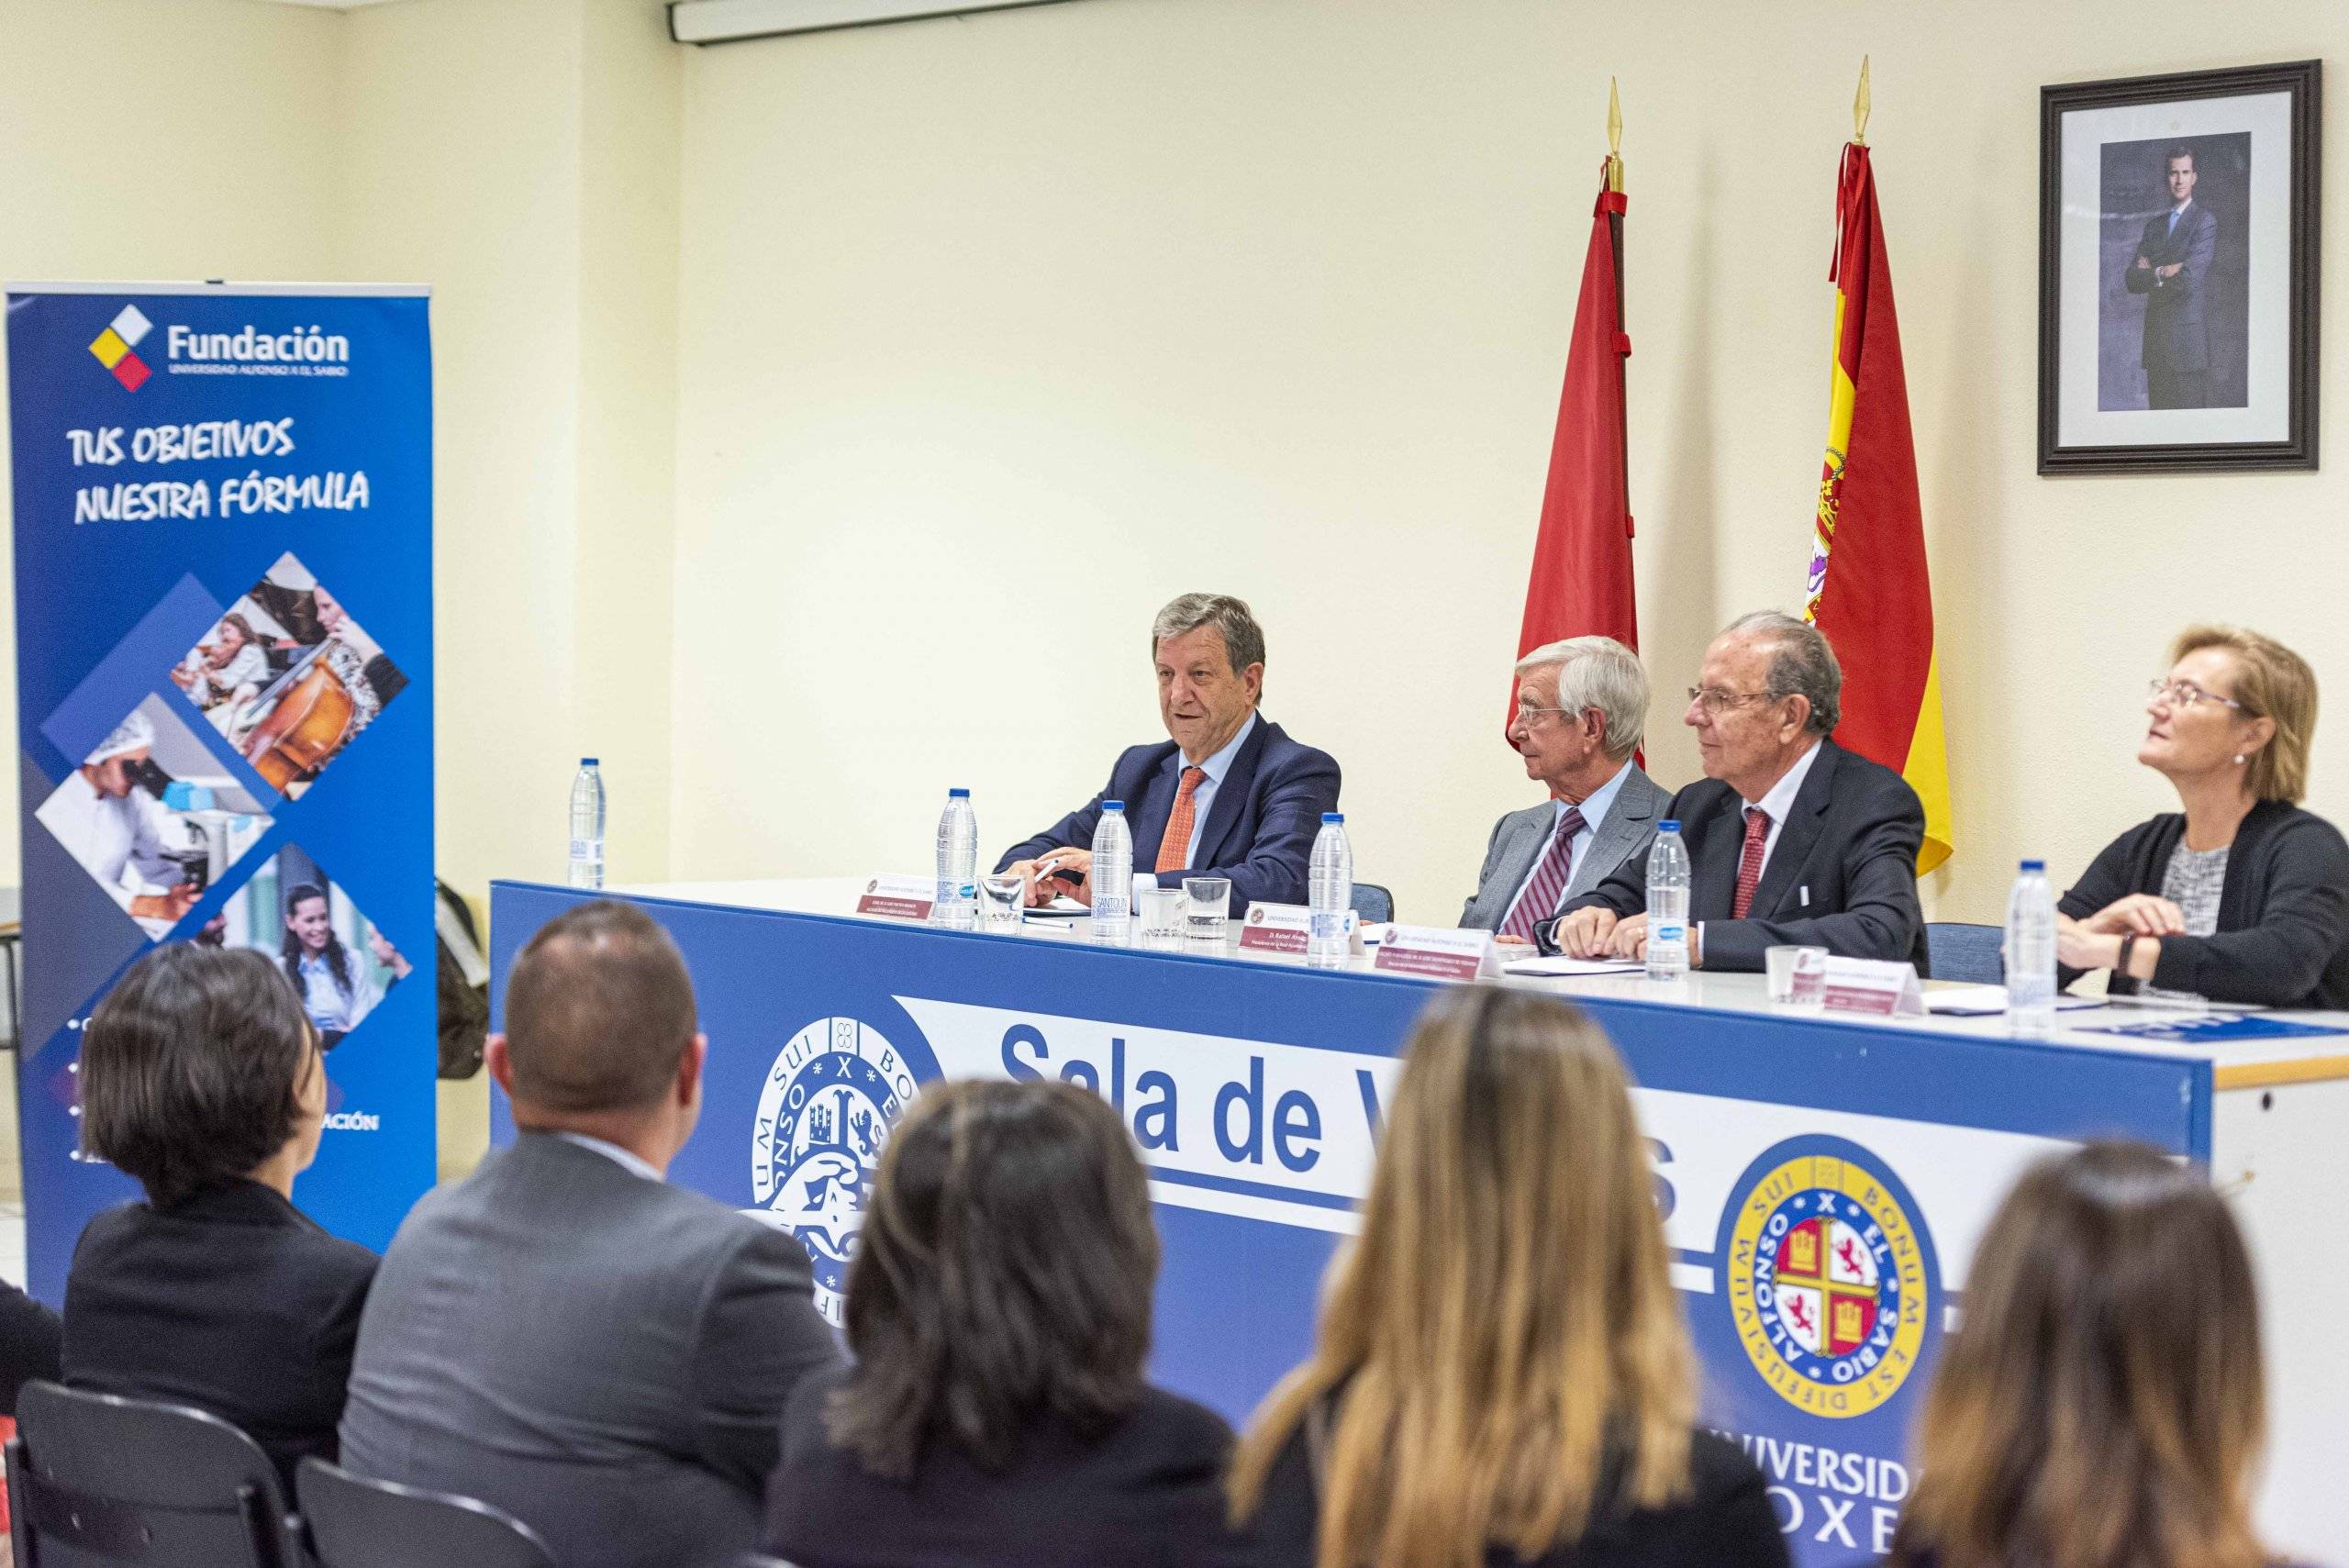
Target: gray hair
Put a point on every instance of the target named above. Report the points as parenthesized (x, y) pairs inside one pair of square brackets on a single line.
[(1600, 673), (1243, 639), (1801, 664)]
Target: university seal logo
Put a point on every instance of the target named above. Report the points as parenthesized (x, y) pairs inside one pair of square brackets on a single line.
[(824, 1113), (1829, 1274)]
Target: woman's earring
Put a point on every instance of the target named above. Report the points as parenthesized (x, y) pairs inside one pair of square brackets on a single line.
[(2239, 758)]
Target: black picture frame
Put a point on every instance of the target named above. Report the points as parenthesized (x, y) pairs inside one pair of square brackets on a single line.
[(2302, 81)]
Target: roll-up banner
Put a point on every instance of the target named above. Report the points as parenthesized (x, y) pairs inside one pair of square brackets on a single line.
[(224, 698)]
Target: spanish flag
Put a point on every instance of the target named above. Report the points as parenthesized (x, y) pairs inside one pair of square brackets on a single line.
[(1869, 590)]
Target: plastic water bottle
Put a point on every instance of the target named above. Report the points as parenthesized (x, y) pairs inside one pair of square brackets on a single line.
[(1330, 892), (2031, 952), (1667, 905), (588, 826), (955, 902), (1113, 874)]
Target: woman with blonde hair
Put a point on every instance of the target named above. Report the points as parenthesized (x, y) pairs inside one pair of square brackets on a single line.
[(1502, 1373), (2243, 897), (2101, 1406)]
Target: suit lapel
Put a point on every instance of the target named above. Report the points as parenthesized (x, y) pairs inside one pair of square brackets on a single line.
[(1626, 820), (1803, 826), (1712, 887), (1146, 816), (1525, 835), (1231, 794)]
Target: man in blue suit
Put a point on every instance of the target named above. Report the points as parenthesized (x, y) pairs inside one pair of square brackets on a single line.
[(2172, 269), (1229, 795)]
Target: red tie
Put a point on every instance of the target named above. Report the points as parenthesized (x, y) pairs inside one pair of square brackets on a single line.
[(1749, 864), (1539, 899), (1174, 849)]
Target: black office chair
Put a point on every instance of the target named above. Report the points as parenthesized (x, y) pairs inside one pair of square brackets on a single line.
[(95, 1478), (1373, 902), (1971, 953), (757, 1559), (357, 1523)]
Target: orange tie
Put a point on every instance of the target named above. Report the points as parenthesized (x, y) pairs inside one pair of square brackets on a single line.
[(1174, 849)]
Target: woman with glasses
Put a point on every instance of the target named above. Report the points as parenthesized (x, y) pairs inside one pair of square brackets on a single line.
[(2243, 897), (2102, 1403), (1502, 1375)]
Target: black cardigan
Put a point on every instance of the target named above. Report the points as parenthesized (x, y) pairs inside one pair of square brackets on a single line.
[(2283, 933)]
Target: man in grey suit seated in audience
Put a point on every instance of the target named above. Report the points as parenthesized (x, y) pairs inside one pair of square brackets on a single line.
[(564, 1334), (1581, 707)]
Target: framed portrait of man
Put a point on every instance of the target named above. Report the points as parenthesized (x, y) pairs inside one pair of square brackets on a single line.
[(2178, 271)]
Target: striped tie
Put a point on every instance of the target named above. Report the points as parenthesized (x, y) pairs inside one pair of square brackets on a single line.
[(1542, 889), (1174, 847), (1749, 864)]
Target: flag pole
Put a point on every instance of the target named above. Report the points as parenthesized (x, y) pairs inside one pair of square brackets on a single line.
[(1860, 106), (1614, 139)]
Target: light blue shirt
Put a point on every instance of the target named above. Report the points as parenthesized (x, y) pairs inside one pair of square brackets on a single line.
[(1203, 798), (2176, 213), (1594, 808)]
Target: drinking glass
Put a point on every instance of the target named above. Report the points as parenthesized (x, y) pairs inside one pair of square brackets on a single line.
[(1161, 914), (1209, 901), (1001, 899)]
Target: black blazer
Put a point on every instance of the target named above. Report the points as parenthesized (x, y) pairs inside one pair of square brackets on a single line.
[(1149, 1492), (31, 1340), (232, 1301), (1843, 875), (1725, 1522), (2283, 936), (1260, 825)]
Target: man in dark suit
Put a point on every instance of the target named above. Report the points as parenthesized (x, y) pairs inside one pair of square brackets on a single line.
[(1791, 839), (1582, 708), (565, 1335), (2172, 269), (1229, 795)]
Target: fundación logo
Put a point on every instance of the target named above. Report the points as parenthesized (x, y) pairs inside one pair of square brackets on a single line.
[(1830, 1275), (113, 348), (824, 1113)]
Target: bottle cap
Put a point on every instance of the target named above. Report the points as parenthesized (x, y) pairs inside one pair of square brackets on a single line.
[(587, 762), (1113, 805), (1328, 816), (2034, 866), (958, 794), (1669, 825)]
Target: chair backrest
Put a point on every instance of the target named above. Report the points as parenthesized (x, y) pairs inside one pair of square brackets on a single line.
[(1373, 902), (1970, 953), (357, 1523), (97, 1478), (757, 1559)]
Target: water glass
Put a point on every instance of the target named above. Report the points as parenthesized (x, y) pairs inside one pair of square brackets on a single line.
[(1160, 912), (1208, 901), (1778, 970), (1001, 898)]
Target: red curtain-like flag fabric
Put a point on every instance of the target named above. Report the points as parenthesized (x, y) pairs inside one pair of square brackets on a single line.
[(1869, 590), (1582, 558)]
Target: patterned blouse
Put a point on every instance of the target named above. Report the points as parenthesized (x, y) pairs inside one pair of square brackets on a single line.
[(2193, 881)]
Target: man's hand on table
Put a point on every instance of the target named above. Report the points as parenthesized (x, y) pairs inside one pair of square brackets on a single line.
[(1042, 887)]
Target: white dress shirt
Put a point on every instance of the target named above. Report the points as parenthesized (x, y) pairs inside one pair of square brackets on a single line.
[(627, 1160), (1203, 798), (1780, 801), (1594, 808)]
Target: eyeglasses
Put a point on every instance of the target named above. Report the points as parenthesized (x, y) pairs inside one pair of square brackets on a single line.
[(1527, 712), (2185, 694), (1713, 700)]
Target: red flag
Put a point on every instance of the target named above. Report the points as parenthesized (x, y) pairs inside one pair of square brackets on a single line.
[(1869, 590), (1582, 558)]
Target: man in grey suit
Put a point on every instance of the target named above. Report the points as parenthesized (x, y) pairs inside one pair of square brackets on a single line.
[(564, 1334), (1581, 707)]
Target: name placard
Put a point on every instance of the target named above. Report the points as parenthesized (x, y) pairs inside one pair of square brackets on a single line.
[(898, 897), (1438, 952), (1287, 928), (1874, 987)]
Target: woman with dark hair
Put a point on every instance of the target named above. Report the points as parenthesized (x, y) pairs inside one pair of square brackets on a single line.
[(1502, 1373), (202, 1079), (2101, 1403), (998, 1308), (336, 990)]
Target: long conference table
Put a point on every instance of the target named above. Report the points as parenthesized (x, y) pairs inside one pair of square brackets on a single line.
[(1824, 1180)]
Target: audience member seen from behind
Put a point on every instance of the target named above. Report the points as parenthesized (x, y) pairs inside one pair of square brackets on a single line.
[(1502, 1373), (999, 1312), (2101, 1404), (202, 1078), (565, 1335), (2243, 897)]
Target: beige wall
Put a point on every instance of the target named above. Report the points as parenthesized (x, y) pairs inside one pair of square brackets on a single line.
[(995, 333)]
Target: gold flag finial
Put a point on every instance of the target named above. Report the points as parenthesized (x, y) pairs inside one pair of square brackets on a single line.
[(1614, 139), (1860, 106)]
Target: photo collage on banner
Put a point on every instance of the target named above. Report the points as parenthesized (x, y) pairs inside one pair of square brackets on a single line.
[(223, 507)]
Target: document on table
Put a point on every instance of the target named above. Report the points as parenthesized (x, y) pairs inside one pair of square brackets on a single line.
[(1562, 965), (1981, 1001), (1061, 908)]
